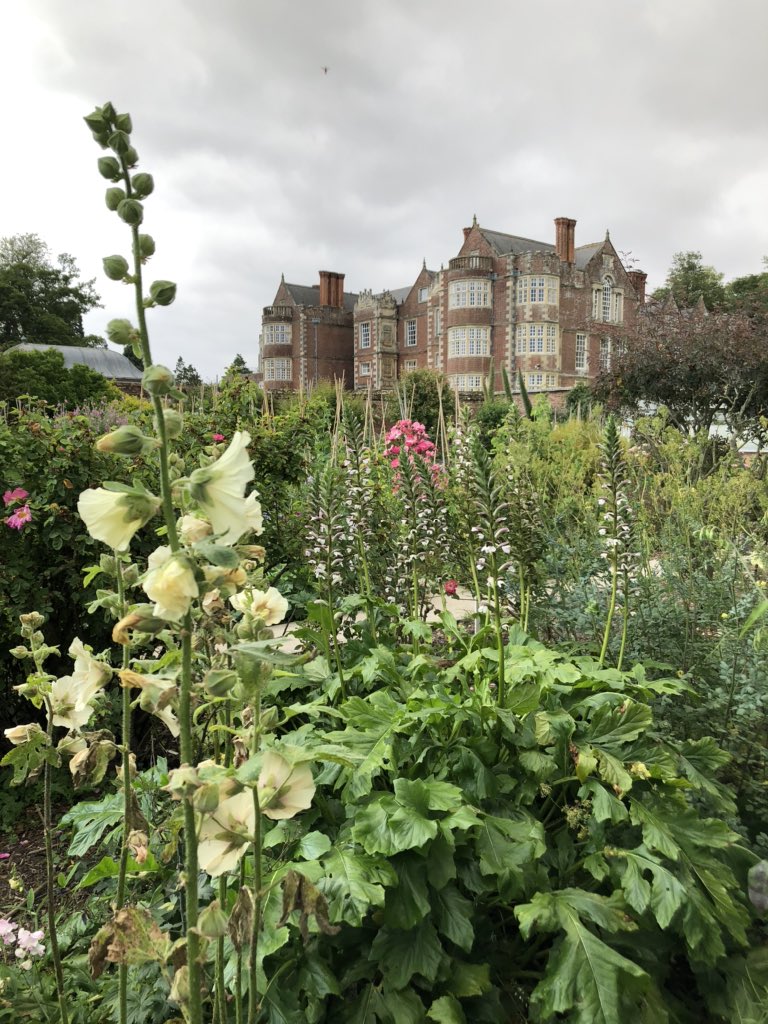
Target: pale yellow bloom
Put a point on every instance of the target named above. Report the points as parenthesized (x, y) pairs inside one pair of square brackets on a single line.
[(69, 708), (253, 513), (269, 606), (220, 490), (113, 517), (284, 790), (170, 583), (225, 834), (22, 733), (192, 529), (89, 673)]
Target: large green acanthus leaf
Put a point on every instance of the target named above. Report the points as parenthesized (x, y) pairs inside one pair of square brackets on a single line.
[(408, 903), (453, 916), (371, 727), (385, 826), (506, 846), (611, 727), (665, 894), (446, 1010), (353, 883), (402, 954)]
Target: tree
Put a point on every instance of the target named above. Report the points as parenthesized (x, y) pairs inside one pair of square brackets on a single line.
[(42, 301), (186, 375), (749, 294), (704, 367), (42, 374), (237, 366), (417, 398), (689, 280)]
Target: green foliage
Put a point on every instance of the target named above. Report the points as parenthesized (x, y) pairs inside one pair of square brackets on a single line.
[(42, 375), (418, 398), (40, 301), (689, 280)]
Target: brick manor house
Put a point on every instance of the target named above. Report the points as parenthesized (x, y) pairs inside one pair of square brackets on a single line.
[(556, 312)]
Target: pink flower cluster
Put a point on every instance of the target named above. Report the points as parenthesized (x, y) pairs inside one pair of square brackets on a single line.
[(411, 436), (20, 516), (28, 944)]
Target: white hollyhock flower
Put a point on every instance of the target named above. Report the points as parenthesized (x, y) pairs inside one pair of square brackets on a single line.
[(170, 583), (284, 790), (69, 708), (267, 605), (22, 733), (113, 517), (225, 834), (89, 673), (220, 490), (192, 529), (253, 513)]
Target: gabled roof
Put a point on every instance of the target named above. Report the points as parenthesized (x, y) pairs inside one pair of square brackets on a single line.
[(400, 294), (113, 365), (514, 244), (309, 295), (584, 253)]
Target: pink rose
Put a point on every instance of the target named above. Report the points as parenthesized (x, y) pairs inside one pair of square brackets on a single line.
[(20, 518), (450, 587), (17, 494)]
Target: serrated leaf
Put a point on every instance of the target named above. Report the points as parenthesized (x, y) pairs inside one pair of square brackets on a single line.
[(453, 915), (611, 727), (353, 883), (605, 805), (403, 954), (665, 895), (505, 846), (407, 903), (313, 845), (385, 826), (90, 820), (402, 1007), (446, 1010), (468, 980)]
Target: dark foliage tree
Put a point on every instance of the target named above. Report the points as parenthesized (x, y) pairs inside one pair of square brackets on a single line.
[(40, 300), (417, 398), (43, 375), (237, 366), (689, 280), (186, 375), (703, 367), (749, 294)]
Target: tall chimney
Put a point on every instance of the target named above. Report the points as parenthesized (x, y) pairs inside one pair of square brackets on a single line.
[(638, 279), (565, 239), (325, 288), (340, 291)]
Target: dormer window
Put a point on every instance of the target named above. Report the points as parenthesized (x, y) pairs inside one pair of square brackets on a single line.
[(608, 302)]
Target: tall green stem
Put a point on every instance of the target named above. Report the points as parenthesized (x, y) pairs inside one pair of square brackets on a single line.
[(49, 879), (253, 981), (126, 766), (611, 609)]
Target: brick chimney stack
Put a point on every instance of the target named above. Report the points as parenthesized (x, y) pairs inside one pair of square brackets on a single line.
[(565, 239), (331, 289), (638, 279)]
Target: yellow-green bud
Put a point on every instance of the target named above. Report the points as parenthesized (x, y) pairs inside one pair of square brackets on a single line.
[(113, 197), (212, 922), (179, 993), (119, 143), (269, 719), (108, 565), (126, 440), (32, 619), (219, 681), (146, 246), (109, 168), (131, 157), (121, 332), (131, 211), (143, 185), (115, 267), (157, 380), (206, 798), (108, 112), (20, 652), (162, 292), (96, 121), (123, 123), (174, 422)]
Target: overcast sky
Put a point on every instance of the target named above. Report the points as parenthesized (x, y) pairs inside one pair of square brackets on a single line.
[(647, 118)]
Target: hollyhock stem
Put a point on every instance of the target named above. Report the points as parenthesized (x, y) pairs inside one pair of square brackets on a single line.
[(49, 875), (126, 765), (253, 991)]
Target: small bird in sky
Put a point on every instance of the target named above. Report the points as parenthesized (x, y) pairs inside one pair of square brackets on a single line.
[(325, 70)]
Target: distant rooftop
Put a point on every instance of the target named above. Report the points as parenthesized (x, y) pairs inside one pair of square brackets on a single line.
[(113, 365), (309, 295)]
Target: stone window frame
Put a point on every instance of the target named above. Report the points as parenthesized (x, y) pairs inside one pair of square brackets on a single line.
[(470, 293), (365, 369), (581, 356), (364, 334), (278, 369), (538, 289), (272, 330), (469, 340), (411, 334)]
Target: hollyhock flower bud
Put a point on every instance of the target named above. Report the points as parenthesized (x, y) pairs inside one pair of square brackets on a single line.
[(113, 517), (162, 292), (113, 197), (219, 681), (192, 529), (131, 211), (126, 440), (121, 332), (143, 185), (119, 142), (142, 619), (109, 168), (146, 246), (115, 267), (212, 922), (157, 380), (123, 123), (131, 157), (174, 422)]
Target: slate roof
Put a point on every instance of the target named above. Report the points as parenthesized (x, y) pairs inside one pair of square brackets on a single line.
[(584, 253), (306, 295), (113, 365), (506, 244)]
